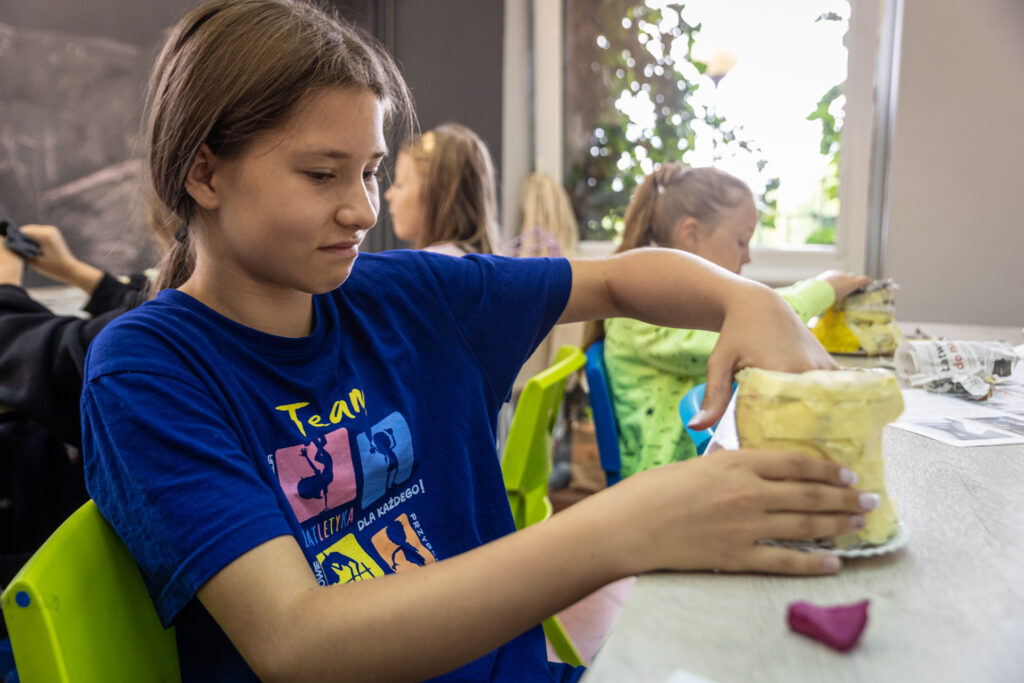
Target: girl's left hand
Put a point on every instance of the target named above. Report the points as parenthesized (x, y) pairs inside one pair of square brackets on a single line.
[(762, 331)]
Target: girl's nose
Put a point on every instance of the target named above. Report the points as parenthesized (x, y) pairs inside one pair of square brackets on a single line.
[(358, 209)]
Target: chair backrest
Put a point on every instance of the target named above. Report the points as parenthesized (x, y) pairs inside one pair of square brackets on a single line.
[(604, 413), (689, 405), (79, 611), (526, 465)]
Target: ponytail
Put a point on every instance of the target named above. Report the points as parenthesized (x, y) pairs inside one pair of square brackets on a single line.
[(670, 194), (178, 263)]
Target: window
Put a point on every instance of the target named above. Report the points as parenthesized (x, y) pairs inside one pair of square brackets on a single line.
[(758, 89)]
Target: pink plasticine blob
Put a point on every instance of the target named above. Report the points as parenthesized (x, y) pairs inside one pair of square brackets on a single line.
[(838, 627)]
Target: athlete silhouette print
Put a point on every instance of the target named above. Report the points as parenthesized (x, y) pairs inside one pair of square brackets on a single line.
[(334, 563), (384, 443), (396, 534), (315, 485)]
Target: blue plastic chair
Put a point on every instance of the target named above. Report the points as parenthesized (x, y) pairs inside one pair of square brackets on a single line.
[(604, 415), (690, 406)]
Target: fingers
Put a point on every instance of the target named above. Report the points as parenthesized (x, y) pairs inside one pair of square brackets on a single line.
[(774, 560), (798, 496), (789, 465), (793, 526), (716, 397)]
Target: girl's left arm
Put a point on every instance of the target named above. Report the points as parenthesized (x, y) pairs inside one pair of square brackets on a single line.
[(676, 289)]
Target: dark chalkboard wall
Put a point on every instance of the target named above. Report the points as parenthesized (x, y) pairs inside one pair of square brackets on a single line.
[(72, 79)]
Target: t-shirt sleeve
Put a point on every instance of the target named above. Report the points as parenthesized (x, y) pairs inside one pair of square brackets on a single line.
[(503, 307), (808, 297), (174, 485)]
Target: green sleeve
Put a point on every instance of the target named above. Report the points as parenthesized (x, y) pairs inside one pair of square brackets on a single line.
[(808, 297)]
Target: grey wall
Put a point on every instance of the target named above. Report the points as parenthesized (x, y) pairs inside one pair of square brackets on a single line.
[(72, 81), (72, 78), (955, 223), (450, 52)]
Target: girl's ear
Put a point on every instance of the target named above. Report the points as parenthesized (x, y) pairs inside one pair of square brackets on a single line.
[(688, 233), (199, 180)]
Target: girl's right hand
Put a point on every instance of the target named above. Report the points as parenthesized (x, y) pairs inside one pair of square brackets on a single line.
[(710, 512), (760, 331)]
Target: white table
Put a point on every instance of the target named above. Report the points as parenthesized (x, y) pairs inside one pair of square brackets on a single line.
[(947, 607)]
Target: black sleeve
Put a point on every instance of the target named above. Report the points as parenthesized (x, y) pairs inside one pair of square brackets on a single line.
[(42, 357), (111, 293)]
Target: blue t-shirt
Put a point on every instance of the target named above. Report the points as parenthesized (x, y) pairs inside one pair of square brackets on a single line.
[(371, 441)]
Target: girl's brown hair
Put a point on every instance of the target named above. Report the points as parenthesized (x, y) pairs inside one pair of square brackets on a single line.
[(231, 69), (457, 188), (666, 197)]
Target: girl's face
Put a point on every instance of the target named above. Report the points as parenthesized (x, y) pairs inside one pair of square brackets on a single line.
[(289, 212), (405, 200), (727, 244)]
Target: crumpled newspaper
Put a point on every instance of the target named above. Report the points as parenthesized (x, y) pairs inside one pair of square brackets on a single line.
[(965, 368), (862, 322), (834, 414)]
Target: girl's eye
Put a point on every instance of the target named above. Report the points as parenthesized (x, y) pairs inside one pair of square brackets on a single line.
[(320, 176), (374, 174)]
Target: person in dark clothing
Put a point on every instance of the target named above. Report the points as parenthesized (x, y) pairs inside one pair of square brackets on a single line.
[(41, 360), (41, 354)]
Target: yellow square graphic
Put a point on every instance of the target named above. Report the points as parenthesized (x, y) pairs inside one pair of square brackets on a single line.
[(347, 561)]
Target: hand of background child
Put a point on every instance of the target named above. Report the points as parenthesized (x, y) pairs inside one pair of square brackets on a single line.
[(12, 266), (844, 283), (56, 260)]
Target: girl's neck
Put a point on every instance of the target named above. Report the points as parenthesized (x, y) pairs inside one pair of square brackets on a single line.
[(284, 313)]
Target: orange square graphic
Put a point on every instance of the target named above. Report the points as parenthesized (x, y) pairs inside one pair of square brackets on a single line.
[(400, 547)]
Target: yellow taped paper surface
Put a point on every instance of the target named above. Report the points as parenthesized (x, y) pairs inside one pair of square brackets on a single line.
[(834, 414), (860, 323)]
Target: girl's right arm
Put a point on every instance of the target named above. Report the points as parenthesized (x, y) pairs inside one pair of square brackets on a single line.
[(705, 513)]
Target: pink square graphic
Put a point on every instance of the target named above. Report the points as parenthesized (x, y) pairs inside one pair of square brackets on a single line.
[(318, 475)]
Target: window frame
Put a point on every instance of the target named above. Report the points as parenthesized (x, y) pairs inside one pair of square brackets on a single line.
[(872, 32)]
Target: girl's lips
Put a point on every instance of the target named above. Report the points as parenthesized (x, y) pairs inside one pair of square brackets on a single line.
[(342, 248)]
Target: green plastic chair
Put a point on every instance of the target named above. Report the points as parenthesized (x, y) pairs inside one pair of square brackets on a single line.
[(526, 464), (79, 612)]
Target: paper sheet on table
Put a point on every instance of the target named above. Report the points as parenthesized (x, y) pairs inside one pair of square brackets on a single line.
[(959, 422)]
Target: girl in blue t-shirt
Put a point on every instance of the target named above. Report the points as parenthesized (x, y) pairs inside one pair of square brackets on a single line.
[(297, 445)]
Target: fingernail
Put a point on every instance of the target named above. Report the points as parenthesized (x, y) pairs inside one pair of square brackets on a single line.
[(858, 521), (848, 477), (869, 501), (696, 418), (830, 562)]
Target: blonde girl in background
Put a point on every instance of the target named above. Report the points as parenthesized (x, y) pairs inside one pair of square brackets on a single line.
[(443, 197), (296, 441), (709, 213)]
